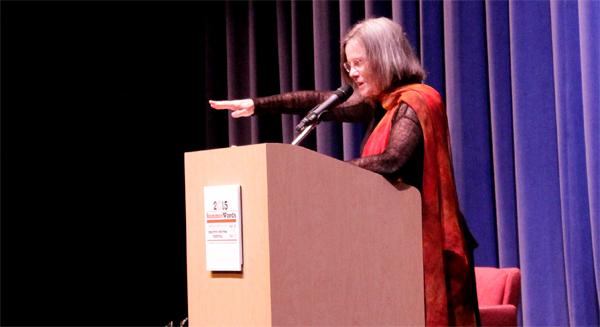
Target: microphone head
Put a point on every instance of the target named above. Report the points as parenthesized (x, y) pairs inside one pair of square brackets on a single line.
[(344, 92)]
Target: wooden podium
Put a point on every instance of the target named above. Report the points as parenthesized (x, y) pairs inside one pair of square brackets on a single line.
[(324, 242)]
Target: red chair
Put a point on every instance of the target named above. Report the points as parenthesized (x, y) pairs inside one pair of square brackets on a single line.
[(498, 293)]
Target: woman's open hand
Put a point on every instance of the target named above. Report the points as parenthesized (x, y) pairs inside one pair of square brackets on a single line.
[(238, 108)]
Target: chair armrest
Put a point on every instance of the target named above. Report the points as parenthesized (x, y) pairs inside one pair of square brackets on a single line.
[(498, 315)]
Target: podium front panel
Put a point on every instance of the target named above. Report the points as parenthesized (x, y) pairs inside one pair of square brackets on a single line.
[(325, 242)]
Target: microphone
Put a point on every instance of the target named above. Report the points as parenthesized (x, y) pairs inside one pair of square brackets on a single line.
[(340, 95)]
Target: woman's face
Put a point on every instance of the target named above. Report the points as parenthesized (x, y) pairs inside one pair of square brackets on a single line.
[(359, 69)]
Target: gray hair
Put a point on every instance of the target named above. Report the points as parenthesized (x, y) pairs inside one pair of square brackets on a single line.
[(389, 53)]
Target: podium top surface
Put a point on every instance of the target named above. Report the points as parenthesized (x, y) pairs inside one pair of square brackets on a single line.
[(288, 152)]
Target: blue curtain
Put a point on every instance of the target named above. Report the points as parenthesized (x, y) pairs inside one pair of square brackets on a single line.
[(521, 81)]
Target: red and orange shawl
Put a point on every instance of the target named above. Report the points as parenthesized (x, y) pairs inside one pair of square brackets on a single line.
[(448, 284)]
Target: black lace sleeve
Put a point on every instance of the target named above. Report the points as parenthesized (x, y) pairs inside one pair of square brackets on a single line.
[(355, 109), (405, 136), (297, 102)]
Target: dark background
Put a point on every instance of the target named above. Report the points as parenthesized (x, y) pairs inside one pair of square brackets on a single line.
[(100, 100)]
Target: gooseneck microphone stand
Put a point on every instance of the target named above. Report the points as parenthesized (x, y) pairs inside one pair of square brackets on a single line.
[(305, 132), (311, 120)]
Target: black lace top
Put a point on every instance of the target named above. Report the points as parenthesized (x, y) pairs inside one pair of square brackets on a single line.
[(403, 156)]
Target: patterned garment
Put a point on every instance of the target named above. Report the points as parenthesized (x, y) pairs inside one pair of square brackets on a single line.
[(450, 298)]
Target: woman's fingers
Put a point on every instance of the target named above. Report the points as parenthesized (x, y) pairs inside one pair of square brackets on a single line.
[(241, 113), (224, 104), (239, 108)]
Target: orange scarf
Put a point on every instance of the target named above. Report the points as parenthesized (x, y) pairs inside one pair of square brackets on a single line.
[(448, 283)]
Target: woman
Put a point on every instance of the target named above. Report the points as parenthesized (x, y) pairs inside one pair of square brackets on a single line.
[(407, 141)]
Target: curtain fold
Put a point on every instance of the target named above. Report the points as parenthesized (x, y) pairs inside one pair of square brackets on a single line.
[(263, 57), (589, 29), (284, 61), (574, 202), (327, 74), (466, 95), (498, 52), (521, 81), (536, 164), (431, 43)]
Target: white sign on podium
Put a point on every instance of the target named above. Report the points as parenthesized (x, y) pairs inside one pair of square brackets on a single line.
[(223, 228)]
